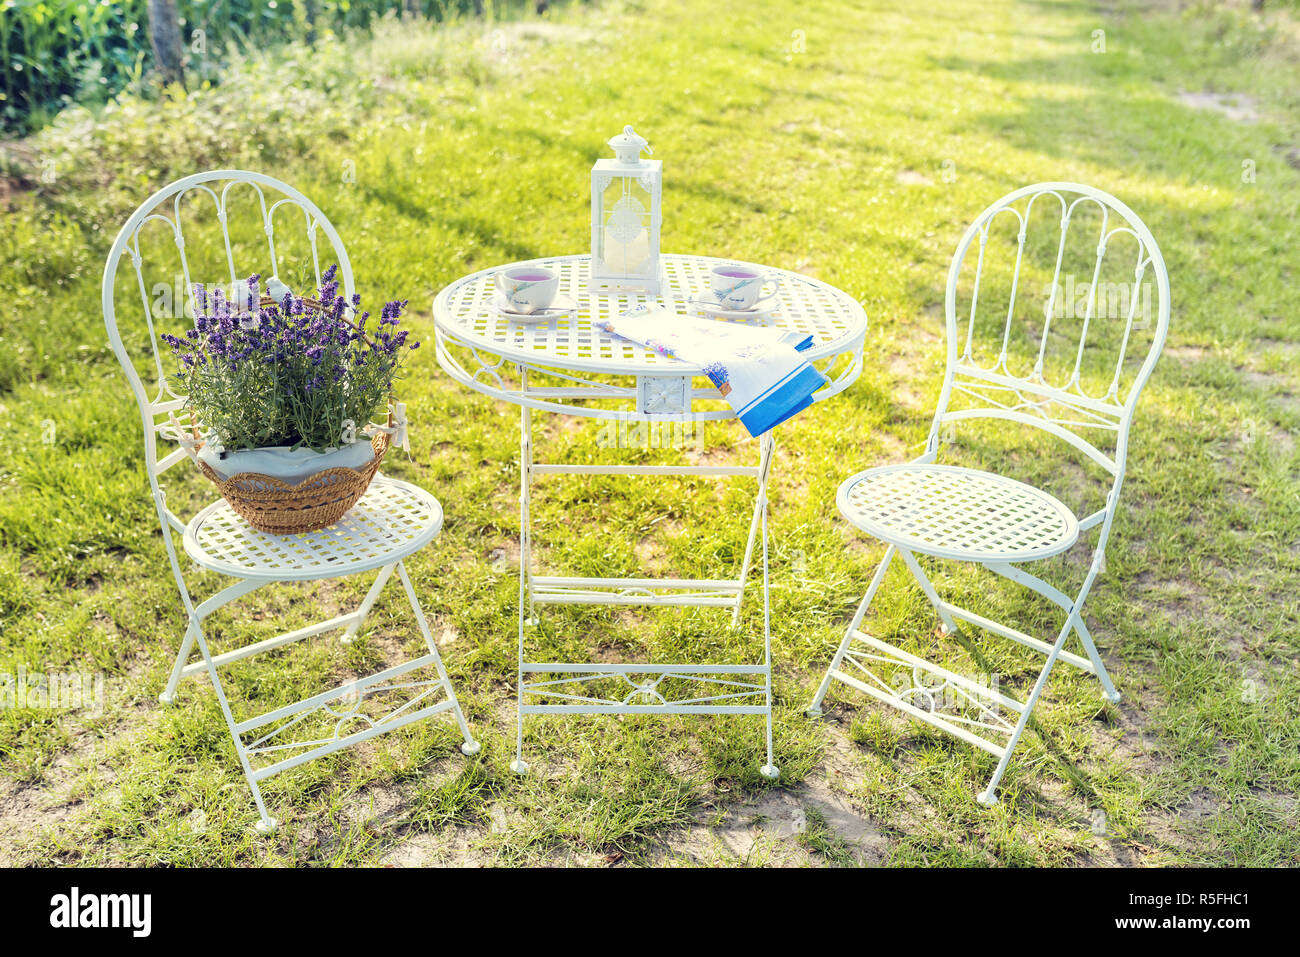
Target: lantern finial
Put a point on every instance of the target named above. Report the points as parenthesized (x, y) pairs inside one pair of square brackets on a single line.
[(629, 145)]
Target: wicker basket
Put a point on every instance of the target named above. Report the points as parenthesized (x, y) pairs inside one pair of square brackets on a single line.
[(271, 505)]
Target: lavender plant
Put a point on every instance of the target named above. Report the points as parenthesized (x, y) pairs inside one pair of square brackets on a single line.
[(287, 374)]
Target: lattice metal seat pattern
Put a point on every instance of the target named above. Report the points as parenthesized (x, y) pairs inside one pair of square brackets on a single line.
[(960, 513), (392, 520)]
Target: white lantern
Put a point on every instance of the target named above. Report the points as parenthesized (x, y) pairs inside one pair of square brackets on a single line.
[(625, 217)]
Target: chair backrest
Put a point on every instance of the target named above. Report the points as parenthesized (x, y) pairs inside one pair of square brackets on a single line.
[(1066, 349), (224, 223)]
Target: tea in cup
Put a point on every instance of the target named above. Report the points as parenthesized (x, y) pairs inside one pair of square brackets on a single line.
[(739, 287), (528, 289)]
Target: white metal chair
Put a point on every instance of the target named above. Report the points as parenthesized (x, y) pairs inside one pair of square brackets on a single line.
[(392, 520), (1077, 377)]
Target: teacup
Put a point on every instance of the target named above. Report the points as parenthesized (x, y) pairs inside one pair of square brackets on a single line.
[(740, 287), (528, 288)]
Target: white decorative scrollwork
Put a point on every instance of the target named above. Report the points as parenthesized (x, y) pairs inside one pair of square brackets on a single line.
[(904, 680), (626, 220), (373, 706), (668, 689), (663, 394)]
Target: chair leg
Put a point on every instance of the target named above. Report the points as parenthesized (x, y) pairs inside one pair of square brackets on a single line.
[(988, 797), (194, 634), (369, 602), (1073, 623), (168, 697), (265, 824), (228, 594), (187, 643), (814, 709), (949, 626), (1068, 605), (1085, 638), (470, 746)]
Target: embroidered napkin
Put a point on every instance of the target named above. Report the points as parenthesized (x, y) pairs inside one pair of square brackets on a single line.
[(757, 369)]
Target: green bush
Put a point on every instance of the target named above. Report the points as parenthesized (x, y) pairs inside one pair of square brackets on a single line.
[(54, 53)]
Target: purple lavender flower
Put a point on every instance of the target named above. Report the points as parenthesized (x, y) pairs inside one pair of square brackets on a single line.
[(717, 373), (288, 373)]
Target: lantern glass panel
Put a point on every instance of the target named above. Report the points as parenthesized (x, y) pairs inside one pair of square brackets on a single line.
[(624, 236)]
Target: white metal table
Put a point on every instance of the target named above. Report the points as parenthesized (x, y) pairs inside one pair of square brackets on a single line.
[(568, 366)]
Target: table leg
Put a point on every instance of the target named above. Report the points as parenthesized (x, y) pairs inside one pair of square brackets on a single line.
[(769, 770), (766, 446), (710, 688), (527, 614)]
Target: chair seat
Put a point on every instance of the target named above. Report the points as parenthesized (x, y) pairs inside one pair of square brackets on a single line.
[(392, 520), (960, 513)]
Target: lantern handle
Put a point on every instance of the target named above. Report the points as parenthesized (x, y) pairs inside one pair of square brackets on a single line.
[(649, 150)]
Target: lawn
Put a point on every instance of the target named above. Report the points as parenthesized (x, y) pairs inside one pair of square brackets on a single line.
[(850, 141)]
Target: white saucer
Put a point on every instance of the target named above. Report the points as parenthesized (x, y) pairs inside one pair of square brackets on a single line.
[(710, 311), (561, 307)]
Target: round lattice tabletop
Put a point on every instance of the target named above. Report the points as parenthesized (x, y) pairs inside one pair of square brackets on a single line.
[(464, 314)]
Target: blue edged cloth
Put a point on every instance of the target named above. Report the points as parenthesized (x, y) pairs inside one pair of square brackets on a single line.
[(758, 370)]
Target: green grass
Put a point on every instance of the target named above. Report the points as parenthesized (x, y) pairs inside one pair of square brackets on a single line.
[(860, 160)]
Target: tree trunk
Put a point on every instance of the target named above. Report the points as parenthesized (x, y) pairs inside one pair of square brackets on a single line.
[(165, 38), (411, 9), (309, 14)]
